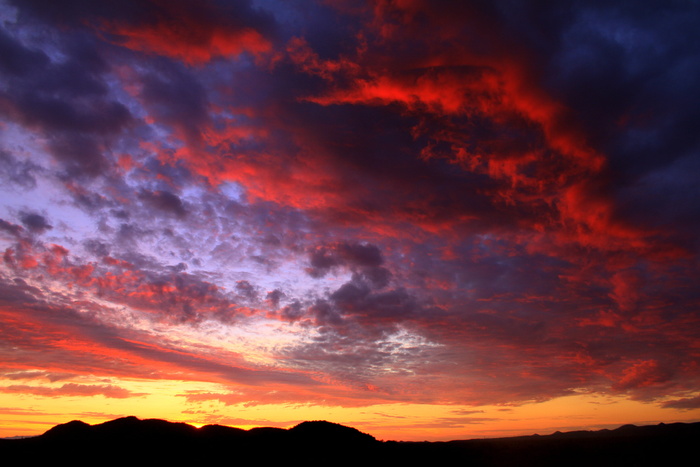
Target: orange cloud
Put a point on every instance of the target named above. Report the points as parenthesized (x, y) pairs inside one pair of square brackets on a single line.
[(72, 390)]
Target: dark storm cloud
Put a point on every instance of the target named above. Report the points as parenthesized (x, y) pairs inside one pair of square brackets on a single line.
[(293, 311), (323, 259), (13, 229), (56, 113), (17, 172), (234, 13), (174, 97), (65, 100), (17, 60), (96, 247), (46, 90), (627, 69), (551, 37), (247, 291), (164, 201), (81, 154), (274, 297), (35, 222), (383, 175), (72, 12), (365, 259), (357, 298)]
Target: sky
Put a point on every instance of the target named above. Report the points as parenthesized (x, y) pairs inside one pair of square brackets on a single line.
[(428, 220)]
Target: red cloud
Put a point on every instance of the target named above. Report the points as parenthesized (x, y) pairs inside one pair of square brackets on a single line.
[(642, 374), (202, 43), (194, 34)]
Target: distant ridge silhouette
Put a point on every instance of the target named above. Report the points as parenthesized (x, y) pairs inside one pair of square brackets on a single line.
[(136, 441)]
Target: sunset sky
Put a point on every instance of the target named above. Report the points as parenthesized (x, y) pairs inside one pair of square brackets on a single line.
[(423, 219)]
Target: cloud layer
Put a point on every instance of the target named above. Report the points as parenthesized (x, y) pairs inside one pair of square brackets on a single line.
[(351, 204)]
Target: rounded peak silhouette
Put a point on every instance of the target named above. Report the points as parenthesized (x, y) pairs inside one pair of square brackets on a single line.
[(329, 431), (72, 428)]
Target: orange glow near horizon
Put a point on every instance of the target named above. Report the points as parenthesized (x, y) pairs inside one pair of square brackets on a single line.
[(403, 421)]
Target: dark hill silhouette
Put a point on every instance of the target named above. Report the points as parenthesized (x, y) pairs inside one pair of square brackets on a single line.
[(319, 443), (327, 432), (126, 429)]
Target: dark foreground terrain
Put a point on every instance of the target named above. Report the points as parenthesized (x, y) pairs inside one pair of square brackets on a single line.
[(138, 442)]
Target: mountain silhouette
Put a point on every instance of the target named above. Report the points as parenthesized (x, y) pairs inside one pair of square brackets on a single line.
[(327, 432), (136, 441)]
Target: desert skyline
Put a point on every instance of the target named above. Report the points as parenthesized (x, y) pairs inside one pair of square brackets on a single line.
[(423, 219)]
